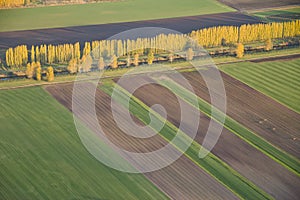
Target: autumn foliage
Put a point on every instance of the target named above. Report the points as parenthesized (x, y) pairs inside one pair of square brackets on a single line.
[(72, 55)]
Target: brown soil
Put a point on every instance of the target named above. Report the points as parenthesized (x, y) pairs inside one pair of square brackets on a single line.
[(258, 4), (277, 58), (104, 31), (251, 163), (256, 111), (181, 180)]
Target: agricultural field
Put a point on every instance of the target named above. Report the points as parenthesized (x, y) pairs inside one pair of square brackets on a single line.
[(88, 117), (257, 112), (43, 158), (194, 184), (250, 5), (103, 31), (277, 79), (279, 14), (103, 13), (257, 167)]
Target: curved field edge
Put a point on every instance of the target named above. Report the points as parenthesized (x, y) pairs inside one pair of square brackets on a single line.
[(102, 13), (283, 88), (222, 172), (278, 155), (41, 156)]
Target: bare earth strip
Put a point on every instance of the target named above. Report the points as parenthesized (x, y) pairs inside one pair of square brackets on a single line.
[(251, 163), (258, 4), (181, 180), (104, 31), (273, 121)]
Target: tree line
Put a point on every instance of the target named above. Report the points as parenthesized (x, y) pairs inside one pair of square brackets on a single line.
[(222, 35), (13, 3), (73, 54), (18, 57)]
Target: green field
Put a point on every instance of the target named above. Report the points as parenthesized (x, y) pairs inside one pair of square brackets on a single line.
[(279, 14), (41, 156), (279, 80), (101, 13)]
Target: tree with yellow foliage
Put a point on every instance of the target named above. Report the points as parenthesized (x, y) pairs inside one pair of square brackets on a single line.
[(72, 67), (150, 57), (29, 71), (32, 53), (114, 62), (189, 54), (269, 45), (38, 74), (136, 60), (50, 74), (128, 61), (239, 50), (101, 64)]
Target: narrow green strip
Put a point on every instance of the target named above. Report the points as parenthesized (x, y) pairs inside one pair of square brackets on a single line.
[(222, 172), (280, 156)]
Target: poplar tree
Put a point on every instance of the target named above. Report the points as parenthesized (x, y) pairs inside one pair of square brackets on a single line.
[(86, 63), (150, 57), (128, 61), (72, 67), (29, 71), (240, 50), (37, 54), (114, 62), (101, 63), (77, 51), (38, 74), (269, 45), (50, 74), (189, 54), (136, 60), (32, 58)]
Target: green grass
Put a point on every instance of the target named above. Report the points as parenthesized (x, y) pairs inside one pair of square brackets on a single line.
[(280, 79), (239, 185), (101, 13), (279, 14), (41, 156), (288, 161)]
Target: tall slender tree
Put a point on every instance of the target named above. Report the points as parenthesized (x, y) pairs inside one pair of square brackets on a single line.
[(150, 57), (240, 50), (50, 74)]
